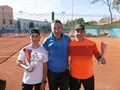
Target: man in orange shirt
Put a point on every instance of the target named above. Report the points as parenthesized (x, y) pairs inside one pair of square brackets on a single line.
[(81, 51)]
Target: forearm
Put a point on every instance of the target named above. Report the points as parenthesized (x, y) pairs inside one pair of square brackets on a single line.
[(21, 64), (45, 70)]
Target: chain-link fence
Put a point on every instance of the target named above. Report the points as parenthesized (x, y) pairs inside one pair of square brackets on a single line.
[(98, 28), (22, 22)]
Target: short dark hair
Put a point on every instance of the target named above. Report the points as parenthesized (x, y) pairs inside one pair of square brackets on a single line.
[(56, 21), (33, 30)]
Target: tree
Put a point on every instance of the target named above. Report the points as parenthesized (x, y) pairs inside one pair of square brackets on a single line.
[(31, 25), (68, 23), (91, 23), (116, 5), (18, 24), (108, 2), (45, 28), (80, 21), (74, 22)]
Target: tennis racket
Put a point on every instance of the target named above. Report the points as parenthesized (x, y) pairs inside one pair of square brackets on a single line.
[(28, 56), (103, 50)]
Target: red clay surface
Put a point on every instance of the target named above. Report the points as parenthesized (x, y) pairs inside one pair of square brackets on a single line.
[(107, 77)]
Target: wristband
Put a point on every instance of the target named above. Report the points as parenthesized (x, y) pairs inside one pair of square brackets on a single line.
[(99, 57), (44, 81)]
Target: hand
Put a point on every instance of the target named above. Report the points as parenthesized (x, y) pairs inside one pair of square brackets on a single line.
[(30, 69), (42, 87), (102, 61)]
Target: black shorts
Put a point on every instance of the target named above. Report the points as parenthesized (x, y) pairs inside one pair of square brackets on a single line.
[(75, 84), (60, 80), (30, 86)]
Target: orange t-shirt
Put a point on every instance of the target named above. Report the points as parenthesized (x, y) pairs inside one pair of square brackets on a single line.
[(81, 54)]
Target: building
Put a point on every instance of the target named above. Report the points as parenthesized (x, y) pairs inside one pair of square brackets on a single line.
[(24, 24), (6, 17)]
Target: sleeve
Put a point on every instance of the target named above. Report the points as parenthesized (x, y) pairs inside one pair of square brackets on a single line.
[(45, 44), (21, 55), (95, 52), (45, 55)]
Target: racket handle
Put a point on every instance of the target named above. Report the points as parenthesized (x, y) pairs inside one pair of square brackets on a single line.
[(24, 66), (30, 67), (99, 62)]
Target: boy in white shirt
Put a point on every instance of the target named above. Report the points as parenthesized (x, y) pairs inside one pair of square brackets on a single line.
[(34, 62)]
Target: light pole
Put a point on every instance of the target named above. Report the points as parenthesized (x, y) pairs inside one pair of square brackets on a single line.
[(63, 13), (72, 15)]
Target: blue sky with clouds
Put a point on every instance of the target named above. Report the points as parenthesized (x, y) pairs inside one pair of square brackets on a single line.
[(58, 6)]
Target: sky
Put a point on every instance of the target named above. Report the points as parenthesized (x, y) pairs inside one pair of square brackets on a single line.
[(72, 7), (58, 6)]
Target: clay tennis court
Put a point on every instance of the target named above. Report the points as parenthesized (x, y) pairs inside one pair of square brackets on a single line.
[(107, 77)]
